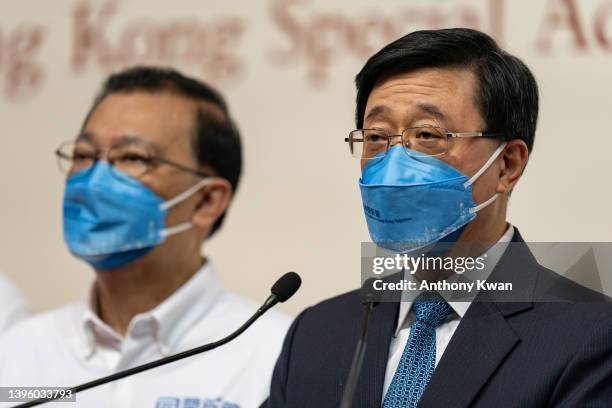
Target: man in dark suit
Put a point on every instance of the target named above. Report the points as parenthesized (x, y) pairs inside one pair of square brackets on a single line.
[(437, 108)]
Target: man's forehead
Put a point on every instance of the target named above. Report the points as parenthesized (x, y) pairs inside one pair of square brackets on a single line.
[(435, 78), (440, 93), (162, 118)]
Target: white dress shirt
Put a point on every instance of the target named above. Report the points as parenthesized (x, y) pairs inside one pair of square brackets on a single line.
[(72, 345), (445, 331), (13, 306)]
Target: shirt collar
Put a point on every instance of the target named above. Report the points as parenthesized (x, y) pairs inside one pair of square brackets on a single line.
[(460, 308), (94, 329), (186, 306), (170, 319)]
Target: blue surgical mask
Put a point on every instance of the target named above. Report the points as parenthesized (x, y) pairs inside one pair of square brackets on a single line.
[(411, 203), (112, 219)]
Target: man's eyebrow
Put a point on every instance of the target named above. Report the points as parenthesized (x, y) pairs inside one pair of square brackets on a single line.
[(85, 136), (428, 108), (376, 111), (127, 140), (433, 110), (124, 140)]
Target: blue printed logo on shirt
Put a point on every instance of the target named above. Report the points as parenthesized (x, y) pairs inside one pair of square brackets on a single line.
[(193, 402), (167, 402)]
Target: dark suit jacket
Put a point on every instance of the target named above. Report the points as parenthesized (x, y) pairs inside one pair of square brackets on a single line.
[(503, 354)]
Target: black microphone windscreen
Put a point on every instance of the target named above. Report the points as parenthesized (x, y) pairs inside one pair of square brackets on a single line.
[(286, 286)]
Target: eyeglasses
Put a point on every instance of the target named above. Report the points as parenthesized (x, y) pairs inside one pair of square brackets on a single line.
[(426, 140), (133, 157)]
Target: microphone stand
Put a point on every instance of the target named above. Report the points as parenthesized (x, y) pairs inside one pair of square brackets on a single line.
[(369, 301)]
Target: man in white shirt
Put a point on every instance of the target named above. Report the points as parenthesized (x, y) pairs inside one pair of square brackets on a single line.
[(149, 179), (13, 306)]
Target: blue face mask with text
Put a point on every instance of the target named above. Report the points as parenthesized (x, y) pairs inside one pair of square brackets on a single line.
[(411, 203), (112, 219)]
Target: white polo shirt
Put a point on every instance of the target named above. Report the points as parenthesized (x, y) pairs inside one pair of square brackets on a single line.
[(13, 306), (71, 345)]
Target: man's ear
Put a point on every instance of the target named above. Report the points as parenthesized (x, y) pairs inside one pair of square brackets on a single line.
[(213, 200), (514, 160)]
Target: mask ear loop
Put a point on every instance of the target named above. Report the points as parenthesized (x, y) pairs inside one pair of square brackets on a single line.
[(179, 198), (483, 205), (485, 166), (479, 173), (184, 195), (176, 229)]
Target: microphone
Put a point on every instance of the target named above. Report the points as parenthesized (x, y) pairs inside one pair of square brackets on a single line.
[(368, 301), (282, 290)]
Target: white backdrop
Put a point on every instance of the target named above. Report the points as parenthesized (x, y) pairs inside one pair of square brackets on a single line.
[(287, 69)]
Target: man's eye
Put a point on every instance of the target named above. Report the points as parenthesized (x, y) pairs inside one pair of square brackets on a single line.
[(133, 158), (373, 138), (428, 135), (83, 156)]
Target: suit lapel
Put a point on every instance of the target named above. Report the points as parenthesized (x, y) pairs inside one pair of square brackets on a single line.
[(484, 337), (482, 340)]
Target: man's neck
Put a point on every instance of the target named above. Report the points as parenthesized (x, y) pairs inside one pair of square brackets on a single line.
[(139, 287)]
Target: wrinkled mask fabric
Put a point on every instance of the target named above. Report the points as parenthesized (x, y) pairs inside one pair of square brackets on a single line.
[(112, 219), (411, 203)]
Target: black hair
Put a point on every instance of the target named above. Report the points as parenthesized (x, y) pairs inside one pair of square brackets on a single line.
[(506, 94), (216, 140)]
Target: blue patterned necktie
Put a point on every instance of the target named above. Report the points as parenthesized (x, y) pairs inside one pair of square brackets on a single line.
[(417, 363)]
